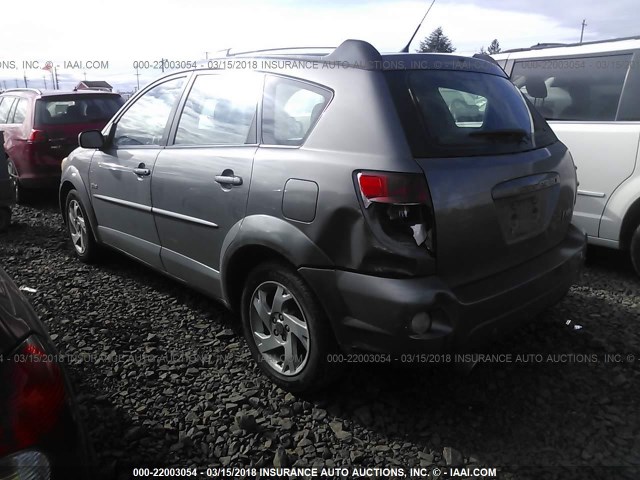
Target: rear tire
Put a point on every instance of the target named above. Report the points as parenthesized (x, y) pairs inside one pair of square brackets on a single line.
[(79, 229), (634, 250), (18, 190), (286, 330)]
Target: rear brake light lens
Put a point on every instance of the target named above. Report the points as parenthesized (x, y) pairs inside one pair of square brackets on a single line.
[(32, 397), (37, 136), (392, 188), (400, 204)]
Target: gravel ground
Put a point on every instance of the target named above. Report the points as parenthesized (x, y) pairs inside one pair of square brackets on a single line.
[(163, 377)]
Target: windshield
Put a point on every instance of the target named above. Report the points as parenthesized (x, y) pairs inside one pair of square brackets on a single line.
[(77, 109), (454, 113)]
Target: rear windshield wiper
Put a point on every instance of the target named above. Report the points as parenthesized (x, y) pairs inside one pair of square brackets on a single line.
[(518, 133)]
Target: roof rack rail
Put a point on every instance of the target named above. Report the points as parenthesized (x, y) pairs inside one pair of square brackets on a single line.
[(542, 46), (357, 53), (26, 89), (275, 50)]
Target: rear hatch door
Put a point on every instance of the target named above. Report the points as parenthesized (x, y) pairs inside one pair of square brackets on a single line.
[(63, 117), (502, 186), (498, 212)]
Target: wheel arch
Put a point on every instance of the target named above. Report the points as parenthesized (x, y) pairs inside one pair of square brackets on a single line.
[(621, 213), (72, 180), (261, 238), (630, 222)]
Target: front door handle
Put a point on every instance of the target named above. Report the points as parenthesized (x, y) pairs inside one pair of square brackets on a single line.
[(228, 180), (142, 170)]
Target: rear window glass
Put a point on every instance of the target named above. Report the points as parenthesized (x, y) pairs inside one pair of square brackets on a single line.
[(84, 109), (454, 113)]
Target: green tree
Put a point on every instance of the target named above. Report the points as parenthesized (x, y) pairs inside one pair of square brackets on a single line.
[(437, 41), (494, 47)]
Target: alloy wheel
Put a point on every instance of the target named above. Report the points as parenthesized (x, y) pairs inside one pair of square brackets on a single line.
[(77, 227), (279, 328)]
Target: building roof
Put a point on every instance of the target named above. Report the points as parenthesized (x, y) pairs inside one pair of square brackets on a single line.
[(96, 84)]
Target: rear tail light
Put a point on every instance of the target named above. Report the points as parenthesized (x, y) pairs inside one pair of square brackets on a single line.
[(32, 398), (392, 188), (37, 136), (400, 203)]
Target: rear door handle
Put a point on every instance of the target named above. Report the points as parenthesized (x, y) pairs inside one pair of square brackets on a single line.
[(228, 180), (142, 170)]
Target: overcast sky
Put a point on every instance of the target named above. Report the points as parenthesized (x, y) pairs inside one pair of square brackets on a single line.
[(122, 31)]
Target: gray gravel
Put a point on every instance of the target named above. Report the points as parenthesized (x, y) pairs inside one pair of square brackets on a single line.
[(164, 377)]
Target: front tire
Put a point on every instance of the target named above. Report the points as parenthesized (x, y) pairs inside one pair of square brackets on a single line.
[(634, 250), (79, 229), (286, 329)]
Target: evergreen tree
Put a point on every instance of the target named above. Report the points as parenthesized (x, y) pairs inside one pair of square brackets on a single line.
[(494, 47), (436, 42)]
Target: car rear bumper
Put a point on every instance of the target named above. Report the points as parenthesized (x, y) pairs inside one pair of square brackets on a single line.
[(375, 314), (44, 179)]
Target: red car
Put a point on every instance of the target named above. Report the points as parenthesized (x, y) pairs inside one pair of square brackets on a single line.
[(42, 127)]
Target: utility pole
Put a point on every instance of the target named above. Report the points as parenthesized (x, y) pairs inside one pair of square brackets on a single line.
[(55, 76), (26, 85), (584, 24), (137, 79), (85, 76), (206, 55), (17, 85), (44, 77)]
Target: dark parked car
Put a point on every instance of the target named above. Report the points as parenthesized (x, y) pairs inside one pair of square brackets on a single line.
[(42, 127), (41, 435), (6, 189), (343, 206)]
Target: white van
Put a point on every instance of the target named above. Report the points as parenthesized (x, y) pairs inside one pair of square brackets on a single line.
[(590, 95)]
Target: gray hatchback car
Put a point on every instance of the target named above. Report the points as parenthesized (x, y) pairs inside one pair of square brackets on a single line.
[(352, 202)]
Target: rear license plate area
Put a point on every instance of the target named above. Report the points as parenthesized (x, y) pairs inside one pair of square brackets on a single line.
[(521, 217)]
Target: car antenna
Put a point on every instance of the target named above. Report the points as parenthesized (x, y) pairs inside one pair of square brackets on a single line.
[(406, 49)]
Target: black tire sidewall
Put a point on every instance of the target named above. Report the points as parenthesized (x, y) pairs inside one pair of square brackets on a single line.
[(5, 218), (315, 373), (17, 190), (90, 251), (634, 250)]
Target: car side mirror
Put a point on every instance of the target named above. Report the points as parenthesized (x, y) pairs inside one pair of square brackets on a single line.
[(91, 139)]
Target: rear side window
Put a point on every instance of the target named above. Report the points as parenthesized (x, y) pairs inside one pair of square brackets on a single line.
[(290, 110), (578, 89), (20, 111), (5, 107), (76, 109), (145, 121), (449, 113), (220, 110)]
